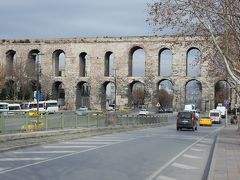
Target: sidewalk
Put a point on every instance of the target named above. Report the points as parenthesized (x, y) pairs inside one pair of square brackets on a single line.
[(226, 157)]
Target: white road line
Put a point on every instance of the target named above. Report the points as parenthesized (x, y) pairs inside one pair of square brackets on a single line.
[(59, 157), (184, 166), (198, 150), (43, 152), (2, 169), (62, 147), (165, 178), (157, 172), (191, 156), (100, 140), (107, 137), (201, 145), (22, 159), (87, 142)]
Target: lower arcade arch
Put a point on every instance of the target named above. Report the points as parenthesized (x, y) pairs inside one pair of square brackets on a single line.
[(83, 90), (58, 92)]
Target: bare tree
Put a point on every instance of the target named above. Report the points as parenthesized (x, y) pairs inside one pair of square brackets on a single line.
[(138, 96), (165, 98), (2, 76), (218, 21)]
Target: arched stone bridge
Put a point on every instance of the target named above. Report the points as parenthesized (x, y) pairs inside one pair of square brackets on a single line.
[(77, 71)]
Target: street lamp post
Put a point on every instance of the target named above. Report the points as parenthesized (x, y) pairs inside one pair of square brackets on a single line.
[(38, 75), (115, 92)]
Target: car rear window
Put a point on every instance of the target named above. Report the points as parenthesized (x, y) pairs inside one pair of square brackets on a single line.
[(186, 115)]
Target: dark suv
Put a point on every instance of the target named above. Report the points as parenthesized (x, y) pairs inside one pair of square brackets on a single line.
[(187, 119)]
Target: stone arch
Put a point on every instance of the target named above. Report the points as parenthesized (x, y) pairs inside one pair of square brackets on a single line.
[(58, 92), (165, 62), (31, 63), (222, 93), (193, 62), (82, 64), (136, 63), (165, 94), (109, 63), (10, 60), (137, 94), (58, 62), (83, 91), (193, 93)]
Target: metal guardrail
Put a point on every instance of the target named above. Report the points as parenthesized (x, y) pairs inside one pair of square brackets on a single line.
[(22, 122)]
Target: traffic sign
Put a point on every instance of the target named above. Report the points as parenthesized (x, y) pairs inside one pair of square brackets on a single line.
[(158, 104)]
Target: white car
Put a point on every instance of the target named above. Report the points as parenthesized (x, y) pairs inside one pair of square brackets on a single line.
[(143, 112), (82, 111)]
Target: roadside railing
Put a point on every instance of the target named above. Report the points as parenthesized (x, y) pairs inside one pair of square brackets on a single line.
[(23, 122)]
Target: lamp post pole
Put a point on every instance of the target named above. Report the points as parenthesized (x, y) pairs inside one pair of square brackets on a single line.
[(38, 75), (115, 92)]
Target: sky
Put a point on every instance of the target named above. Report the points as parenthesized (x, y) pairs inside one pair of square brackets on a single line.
[(49, 19)]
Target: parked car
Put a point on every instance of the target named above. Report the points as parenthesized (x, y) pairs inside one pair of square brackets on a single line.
[(82, 111), (143, 112), (187, 119), (205, 120)]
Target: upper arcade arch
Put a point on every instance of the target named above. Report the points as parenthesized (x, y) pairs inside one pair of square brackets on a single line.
[(58, 62), (193, 64), (10, 61), (82, 64), (165, 62), (136, 63), (31, 63)]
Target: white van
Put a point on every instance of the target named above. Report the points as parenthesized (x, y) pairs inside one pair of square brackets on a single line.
[(4, 108), (215, 115), (189, 107), (222, 109)]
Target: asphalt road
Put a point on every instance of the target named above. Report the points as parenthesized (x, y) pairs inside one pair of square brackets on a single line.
[(150, 154)]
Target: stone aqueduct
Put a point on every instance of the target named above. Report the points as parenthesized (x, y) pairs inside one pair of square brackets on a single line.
[(80, 70)]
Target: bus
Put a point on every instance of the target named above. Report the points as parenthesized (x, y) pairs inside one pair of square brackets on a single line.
[(49, 106), (4, 108), (14, 108)]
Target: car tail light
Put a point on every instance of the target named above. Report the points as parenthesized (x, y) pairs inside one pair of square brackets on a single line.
[(192, 118)]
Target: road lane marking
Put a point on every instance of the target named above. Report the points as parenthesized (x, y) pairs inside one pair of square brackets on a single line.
[(62, 147), (100, 140), (165, 178), (198, 150), (191, 156), (158, 171), (2, 169), (87, 142), (61, 157), (43, 152), (184, 166), (22, 159), (201, 145)]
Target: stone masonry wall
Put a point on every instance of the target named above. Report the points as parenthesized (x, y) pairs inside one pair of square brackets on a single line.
[(120, 46)]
